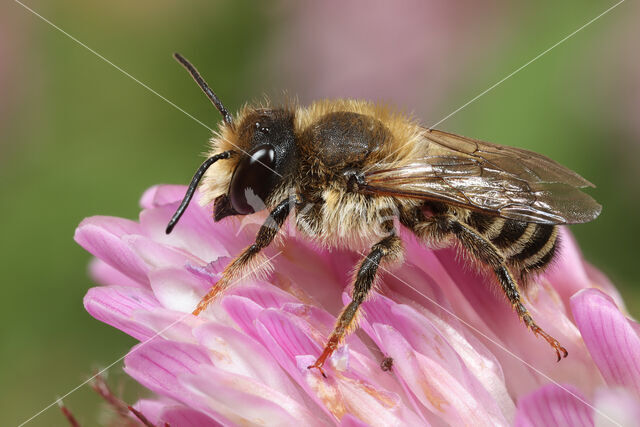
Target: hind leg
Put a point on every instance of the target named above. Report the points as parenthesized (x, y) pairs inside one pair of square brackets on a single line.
[(510, 288), (442, 225)]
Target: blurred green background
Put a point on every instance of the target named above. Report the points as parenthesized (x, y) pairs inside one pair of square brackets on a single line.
[(80, 138)]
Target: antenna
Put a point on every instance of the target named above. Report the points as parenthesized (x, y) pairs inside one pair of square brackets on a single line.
[(205, 88), (192, 187)]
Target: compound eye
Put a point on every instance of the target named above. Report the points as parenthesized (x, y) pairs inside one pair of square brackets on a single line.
[(253, 180)]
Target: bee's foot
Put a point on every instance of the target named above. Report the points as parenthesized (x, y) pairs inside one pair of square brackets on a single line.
[(318, 366), (560, 350)]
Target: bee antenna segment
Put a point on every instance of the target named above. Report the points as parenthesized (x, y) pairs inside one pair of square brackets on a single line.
[(192, 187), (205, 88)]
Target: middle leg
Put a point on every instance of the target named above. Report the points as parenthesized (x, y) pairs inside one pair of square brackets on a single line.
[(388, 248)]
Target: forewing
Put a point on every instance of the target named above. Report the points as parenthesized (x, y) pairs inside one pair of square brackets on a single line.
[(505, 181)]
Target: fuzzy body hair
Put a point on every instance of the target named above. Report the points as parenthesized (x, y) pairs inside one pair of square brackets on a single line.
[(335, 217), (347, 219)]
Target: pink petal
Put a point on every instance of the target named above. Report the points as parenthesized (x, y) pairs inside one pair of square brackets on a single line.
[(552, 406), (602, 282), (244, 304), (289, 341), (569, 273), (428, 297), (210, 272), (116, 305), (479, 303), (293, 341), (169, 325), (114, 225), (151, 409), (159, 365), (236, 353), (616, 405), (613, 343), (246, 400), (158, 255), (443, 285), (312, 274), (436, 389), (243, 312), (178, 289), (485, 382), (106, 275), (195, 233), (263, 293), (349, 420), (160, 195), (547, 308), (182, 416), (102, 236), (167, 411), (483, 298), (438, 280), (371, 402), (472, 301), (286, 344), (319, 318)]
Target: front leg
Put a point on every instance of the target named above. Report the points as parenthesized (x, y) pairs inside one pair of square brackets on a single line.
[(265, 236), (389, 247)]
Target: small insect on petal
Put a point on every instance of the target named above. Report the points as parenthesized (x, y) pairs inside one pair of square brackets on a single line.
[(386, 364)]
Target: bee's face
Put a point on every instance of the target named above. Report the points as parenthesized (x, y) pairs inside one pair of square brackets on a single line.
[(270, 141)]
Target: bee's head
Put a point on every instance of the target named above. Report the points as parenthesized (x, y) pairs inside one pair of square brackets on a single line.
[(261, 151), (265, 152)]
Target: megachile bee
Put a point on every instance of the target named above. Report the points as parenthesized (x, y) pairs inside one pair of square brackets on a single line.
[(356, 166)]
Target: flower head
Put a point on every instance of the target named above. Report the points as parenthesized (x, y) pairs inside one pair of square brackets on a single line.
[(460, 355)]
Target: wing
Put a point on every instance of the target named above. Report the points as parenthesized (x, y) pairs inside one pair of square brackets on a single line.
[(504, 181)]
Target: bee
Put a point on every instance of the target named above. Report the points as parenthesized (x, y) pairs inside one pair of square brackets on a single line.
[(346, 170)]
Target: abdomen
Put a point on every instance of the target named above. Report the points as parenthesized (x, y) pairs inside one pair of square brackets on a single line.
[(527, 247)]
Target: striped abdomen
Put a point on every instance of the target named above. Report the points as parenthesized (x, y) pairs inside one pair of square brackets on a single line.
[(527, 246)]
